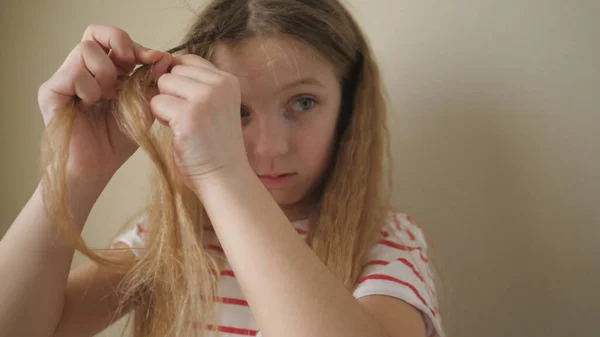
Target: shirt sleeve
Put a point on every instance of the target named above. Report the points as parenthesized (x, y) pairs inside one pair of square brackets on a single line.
[(398, 266), (134, 236)]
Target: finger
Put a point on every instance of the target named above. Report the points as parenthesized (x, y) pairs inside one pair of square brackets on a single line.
[(60, 89), (87, 89), (123, 72), (195, 60), (115, 39), (86, 58), (84, 74), (161, 66), (145, 55), (180, 86), (99, 65), (122, 69), (199, 74), (164, 107)]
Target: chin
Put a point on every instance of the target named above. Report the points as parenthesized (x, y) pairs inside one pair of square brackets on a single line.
[(284, 198)]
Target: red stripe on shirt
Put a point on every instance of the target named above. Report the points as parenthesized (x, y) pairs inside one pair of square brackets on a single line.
[(404, 261), (399, 226), (140, 228), (234, 301), (408, 264), (214, 247), (232, 330), (414, 223), (411, 266), (393, 279), (411, 234), (301, 231), (379, 262), (404, 248)]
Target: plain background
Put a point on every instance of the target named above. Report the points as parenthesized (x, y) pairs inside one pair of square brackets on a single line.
[(495, 136)]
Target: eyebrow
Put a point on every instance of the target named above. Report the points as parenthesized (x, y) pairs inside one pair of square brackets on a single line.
[(303, 81)]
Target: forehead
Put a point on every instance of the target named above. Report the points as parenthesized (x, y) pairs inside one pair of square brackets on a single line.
[(273, 62)]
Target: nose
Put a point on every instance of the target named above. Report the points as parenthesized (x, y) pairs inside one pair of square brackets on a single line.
[(270, 138)]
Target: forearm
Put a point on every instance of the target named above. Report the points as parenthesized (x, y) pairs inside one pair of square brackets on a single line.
[(290, 291), (35, 264)]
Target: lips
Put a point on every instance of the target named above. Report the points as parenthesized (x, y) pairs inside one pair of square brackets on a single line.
[(276, 180), (274, 175)]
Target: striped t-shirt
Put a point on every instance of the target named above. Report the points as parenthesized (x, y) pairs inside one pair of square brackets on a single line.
[(397, 266)]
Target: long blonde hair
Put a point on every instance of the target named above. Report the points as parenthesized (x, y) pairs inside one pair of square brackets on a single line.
[(175, 280)]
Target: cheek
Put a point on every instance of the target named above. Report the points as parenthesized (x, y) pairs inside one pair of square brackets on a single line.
[(314, 149)]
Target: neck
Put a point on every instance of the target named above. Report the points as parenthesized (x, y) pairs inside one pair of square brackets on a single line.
[(299, 210)]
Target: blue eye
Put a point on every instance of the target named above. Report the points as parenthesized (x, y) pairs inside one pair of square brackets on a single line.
[(303, 104)]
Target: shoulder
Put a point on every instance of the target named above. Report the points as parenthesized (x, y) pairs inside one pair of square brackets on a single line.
[(398, 266), (403, 226), (400, 233)]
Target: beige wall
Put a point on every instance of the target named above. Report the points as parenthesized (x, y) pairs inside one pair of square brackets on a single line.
[(496, 137)]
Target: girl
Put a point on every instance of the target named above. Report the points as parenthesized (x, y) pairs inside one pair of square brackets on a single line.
[(275, 120)]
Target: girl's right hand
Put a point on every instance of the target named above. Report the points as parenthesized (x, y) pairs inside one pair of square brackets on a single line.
[(92, 72)]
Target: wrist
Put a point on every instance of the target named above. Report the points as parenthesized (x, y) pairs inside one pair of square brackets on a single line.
[(223, 178), (97, 179), (82, 195)]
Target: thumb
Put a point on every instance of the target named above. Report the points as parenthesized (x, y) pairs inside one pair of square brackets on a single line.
[(145, 55), (161, 66)]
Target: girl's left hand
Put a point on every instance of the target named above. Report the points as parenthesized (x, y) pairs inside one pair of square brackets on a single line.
[(201, 104)]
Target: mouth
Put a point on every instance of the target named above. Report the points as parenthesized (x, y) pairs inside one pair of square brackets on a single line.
[(276, 180), (275, 175)]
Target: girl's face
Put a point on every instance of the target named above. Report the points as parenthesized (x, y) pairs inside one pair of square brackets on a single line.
[(291, 99)]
